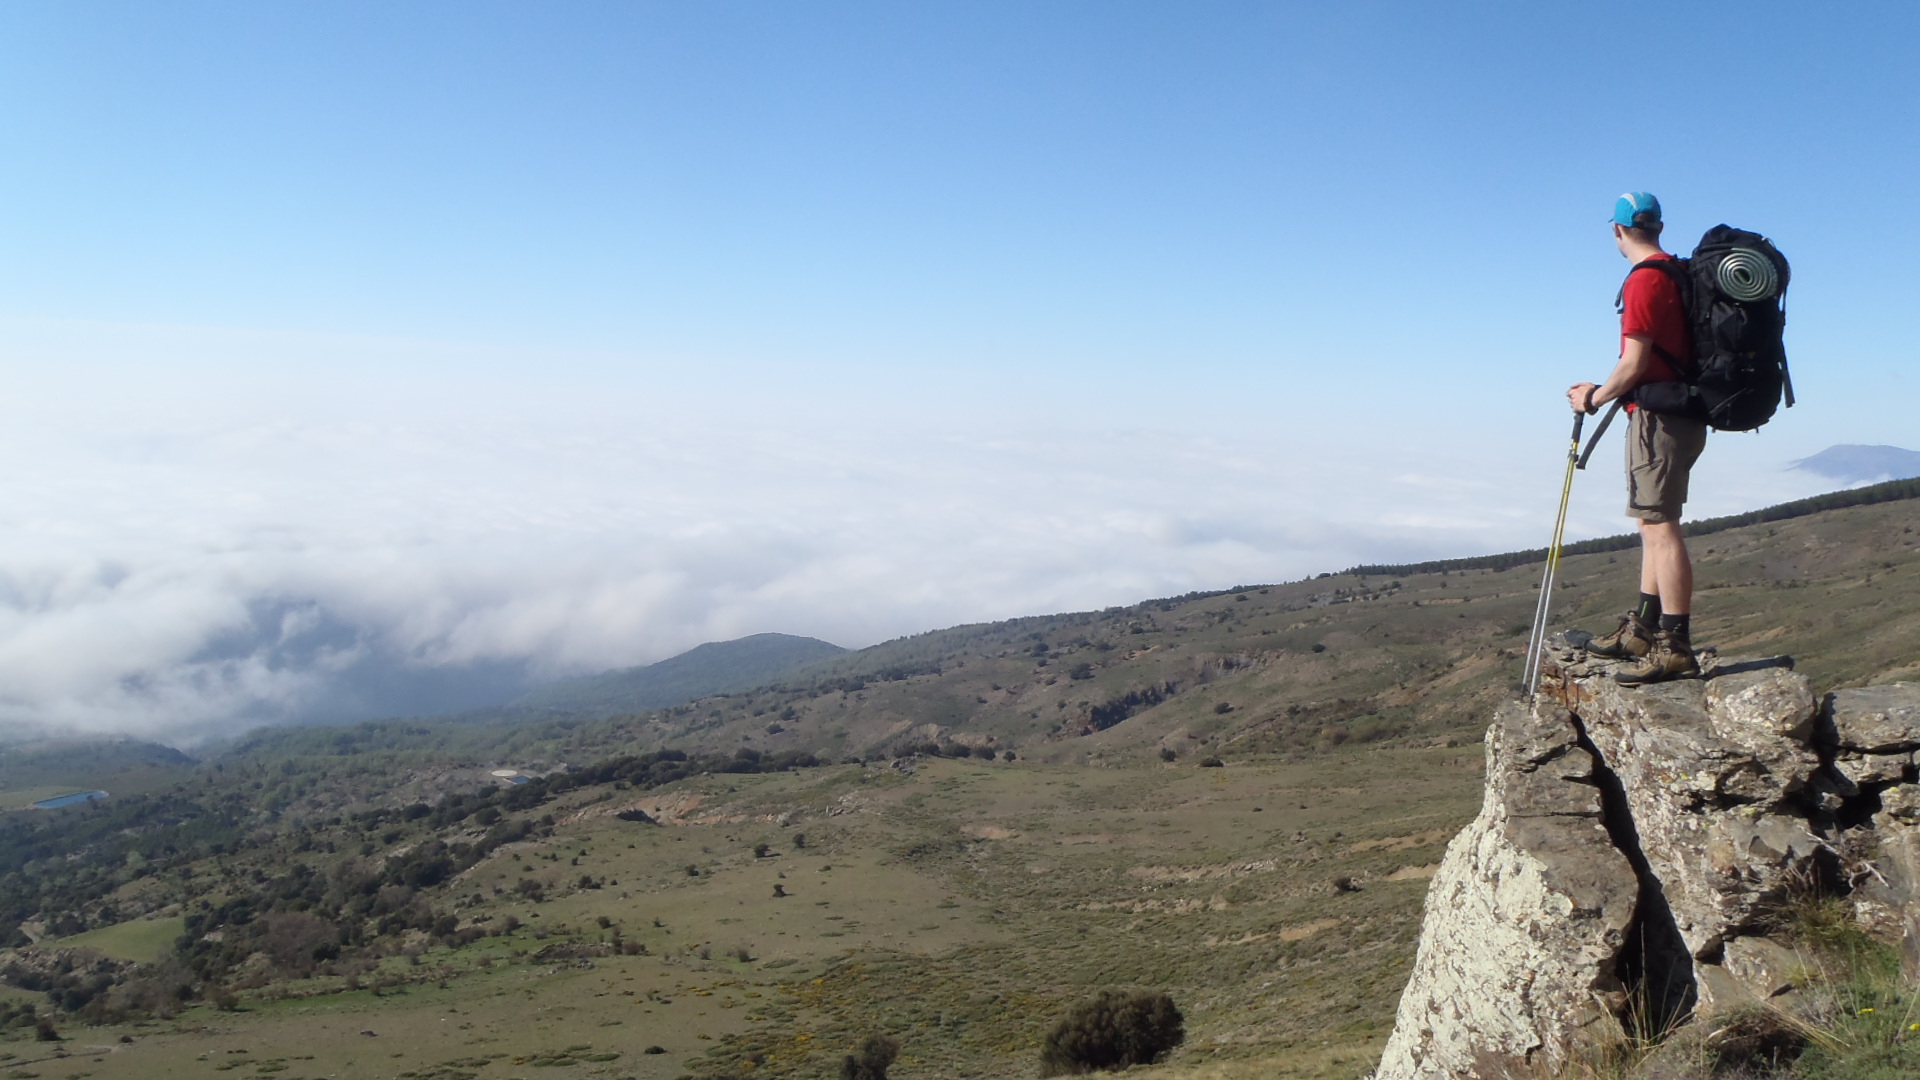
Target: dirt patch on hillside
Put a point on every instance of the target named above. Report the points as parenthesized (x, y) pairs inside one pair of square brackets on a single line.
[(666, 809), (1183, 906), (1402, 843), (1414, 873), (1771, 634), (1470, 668), (1202, 873), (1291, 933), (1307, 930), (988, 832)]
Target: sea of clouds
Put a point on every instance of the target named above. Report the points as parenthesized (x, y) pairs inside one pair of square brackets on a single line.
[(188, 552)]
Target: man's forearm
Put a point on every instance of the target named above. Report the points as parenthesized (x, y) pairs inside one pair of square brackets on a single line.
[(1636, 356)]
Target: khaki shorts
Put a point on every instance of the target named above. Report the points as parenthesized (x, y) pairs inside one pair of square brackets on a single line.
[(1661, 451)]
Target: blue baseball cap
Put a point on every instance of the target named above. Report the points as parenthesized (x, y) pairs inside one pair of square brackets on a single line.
[(1634, 203)]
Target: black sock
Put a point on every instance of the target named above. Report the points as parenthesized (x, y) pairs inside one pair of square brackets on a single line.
[(1677, 626), (1649, 610)]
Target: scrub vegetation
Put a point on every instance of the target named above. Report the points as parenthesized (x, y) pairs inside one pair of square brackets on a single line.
[(1216, 814)]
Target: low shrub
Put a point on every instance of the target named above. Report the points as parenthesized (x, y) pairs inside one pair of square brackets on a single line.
[(1114, 1030), (871, 1063)]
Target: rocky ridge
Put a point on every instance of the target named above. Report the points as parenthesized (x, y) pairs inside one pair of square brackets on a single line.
[(1634, 854)]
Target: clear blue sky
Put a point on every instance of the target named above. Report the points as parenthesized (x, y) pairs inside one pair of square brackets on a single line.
[(1249, 190), (1271, 286)]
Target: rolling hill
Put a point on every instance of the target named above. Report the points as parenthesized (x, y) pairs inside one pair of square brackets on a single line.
[(1855, 463), (714, 668)]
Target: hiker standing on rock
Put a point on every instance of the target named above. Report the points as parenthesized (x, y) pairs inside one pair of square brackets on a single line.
[(1654, 345)]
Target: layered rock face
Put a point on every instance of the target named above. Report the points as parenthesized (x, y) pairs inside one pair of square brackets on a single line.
[(1634, 850)]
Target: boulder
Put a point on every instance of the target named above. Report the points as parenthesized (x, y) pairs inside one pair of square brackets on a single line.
[(1873, 733), (1876, 719), (1888, 898), (1872, 770), (1525, 917), (1763, 967)]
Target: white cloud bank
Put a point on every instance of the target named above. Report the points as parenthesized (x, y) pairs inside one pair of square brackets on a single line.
[(180, 557)]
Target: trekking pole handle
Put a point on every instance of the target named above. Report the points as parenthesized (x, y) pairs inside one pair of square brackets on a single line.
[(1579, 418)]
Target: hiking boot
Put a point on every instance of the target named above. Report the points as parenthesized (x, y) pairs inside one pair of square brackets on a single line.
[(1633, 639), (1670, 658)]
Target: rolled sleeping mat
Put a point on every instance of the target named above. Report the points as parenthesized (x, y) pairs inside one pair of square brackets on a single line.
[(1747, 275)]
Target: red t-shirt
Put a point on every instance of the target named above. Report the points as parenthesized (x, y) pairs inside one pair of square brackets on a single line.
[(1653, 310)]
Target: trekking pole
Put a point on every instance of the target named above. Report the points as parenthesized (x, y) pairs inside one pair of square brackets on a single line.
[(1537, 640)]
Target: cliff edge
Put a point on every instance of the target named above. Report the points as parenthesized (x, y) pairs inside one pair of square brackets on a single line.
[(1635, 852)]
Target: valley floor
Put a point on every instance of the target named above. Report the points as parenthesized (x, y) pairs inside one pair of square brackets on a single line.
[(959, 907)]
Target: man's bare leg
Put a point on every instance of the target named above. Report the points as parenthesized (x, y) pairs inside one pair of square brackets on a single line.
[(1665, 568)]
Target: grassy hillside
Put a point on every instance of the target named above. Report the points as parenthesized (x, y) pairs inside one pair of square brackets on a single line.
[(1294, 668), (959, 906), (1283, 669), (729, 881), (46, 769)]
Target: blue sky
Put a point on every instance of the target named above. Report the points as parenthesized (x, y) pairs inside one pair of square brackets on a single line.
[(1285, 286)]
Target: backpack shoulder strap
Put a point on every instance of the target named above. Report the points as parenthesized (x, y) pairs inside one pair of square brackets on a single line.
[(1671, 267), (1676, 271)]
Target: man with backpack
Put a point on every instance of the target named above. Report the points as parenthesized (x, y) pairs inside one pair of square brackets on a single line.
[(1655, 347)]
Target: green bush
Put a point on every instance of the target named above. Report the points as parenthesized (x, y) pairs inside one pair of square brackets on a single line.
[(1114, 1030), (871, 1063)]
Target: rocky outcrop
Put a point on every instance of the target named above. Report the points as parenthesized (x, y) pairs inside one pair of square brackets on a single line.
[(1635, 850), (1526, 915)]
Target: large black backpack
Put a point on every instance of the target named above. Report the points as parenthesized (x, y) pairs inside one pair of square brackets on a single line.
[(1734, 288)]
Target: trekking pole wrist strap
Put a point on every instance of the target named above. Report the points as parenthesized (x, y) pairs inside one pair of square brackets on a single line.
[(1581, 462)]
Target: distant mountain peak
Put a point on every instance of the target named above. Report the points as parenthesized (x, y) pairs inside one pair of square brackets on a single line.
[(1856, 463), (717, 667)]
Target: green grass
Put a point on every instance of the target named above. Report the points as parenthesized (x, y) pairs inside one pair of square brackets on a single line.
[(960, 908), (1850, 1016), (22, 798), (142, 940)]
